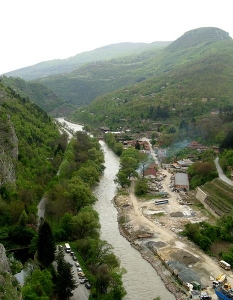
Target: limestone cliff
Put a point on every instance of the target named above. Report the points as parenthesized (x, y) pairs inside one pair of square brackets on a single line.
[(9, 286)]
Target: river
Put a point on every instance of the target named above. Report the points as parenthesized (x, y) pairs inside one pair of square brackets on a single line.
[(141, 280)]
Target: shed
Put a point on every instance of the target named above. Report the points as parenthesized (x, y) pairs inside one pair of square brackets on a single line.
[(181, 181)]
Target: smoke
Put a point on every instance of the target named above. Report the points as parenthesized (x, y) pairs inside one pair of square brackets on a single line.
[(175, 148)]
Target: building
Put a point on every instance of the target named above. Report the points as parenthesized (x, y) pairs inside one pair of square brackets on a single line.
[(181, 181)]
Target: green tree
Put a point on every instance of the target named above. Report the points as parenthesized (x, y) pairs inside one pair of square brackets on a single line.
[(23, 219), (85, 223), (46, 246), (122, 179), (65, 282), (38, 286), (79, 192), (141, 187)]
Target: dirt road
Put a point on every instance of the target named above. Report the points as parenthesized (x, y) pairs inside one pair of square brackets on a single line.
[(163, 222)]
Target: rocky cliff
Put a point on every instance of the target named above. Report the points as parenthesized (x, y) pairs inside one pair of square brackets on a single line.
[(9, 286)]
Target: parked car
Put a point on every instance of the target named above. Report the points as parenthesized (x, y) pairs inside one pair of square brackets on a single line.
[(79, 269), (81, 274), (71, 253), (74, 257), (77, 264), (88, 286), (83, 280)]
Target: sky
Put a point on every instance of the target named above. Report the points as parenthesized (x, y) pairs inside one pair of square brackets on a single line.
[(33, 31)]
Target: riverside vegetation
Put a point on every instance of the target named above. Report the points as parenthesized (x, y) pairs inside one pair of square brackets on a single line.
[(178, 93), (40, 151)]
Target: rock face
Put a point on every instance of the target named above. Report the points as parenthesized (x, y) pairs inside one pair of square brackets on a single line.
[(9, 286), (3, 259), (8, 150)]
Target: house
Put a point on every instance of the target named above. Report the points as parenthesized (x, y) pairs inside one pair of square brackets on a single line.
[(184, 163), (151, 170), (181, 181), (104, 129)]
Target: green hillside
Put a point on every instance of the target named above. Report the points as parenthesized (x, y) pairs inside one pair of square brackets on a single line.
[(92, 80), (40, 94), (193, 78), (83, 85), (61, 66), (29, 158)]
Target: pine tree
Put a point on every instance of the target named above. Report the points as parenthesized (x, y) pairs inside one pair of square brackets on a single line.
[(65, 281), (46, 246)]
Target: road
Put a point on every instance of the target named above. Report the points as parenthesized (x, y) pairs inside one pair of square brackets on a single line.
[(220, 173), (81, 292)]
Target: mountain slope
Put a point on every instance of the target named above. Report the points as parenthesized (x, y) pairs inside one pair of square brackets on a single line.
[(194, 77), (28, 138), (60, 66), (40, 94), (83, 85)]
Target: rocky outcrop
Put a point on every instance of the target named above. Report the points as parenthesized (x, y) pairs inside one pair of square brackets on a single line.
[(3, 259), (8, 150), (9, 286)]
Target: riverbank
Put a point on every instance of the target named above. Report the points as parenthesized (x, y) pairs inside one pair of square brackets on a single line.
[(171, 283), (154, 232)]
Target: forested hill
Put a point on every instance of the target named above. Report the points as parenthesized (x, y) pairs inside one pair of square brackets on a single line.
[(193, 79), (61, 66), (44, 97), (92, 80), (29, 155)]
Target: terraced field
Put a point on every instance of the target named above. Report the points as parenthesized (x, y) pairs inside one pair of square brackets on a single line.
[(220, 196)]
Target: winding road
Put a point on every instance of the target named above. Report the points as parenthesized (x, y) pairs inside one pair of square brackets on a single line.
[(220, 173)]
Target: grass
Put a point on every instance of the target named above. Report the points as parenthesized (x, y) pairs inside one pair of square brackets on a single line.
[(220, 196)]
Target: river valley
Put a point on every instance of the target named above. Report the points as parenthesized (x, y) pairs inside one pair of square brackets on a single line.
[(141, 280)]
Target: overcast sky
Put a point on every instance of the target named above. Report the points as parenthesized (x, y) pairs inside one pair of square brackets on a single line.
[(33, 31)]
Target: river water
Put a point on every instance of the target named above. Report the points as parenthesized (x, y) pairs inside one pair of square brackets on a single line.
[(141, 280)]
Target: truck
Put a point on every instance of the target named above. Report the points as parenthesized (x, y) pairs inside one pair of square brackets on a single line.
[(220, 279), (67, 248)]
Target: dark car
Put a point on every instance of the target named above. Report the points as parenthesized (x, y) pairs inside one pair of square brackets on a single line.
[(83, 280), (74, 257), (88, 286)]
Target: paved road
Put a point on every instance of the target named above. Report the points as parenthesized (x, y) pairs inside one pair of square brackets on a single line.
[(220, 173), (81, 292)]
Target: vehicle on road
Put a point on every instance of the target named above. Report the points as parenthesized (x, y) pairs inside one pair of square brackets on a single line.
[(83, 280), (88, 286), (71, 253), (225, 265), (159, 202), (74, 257), (77, 264), (81, 274), (67, 248), (79, 269)]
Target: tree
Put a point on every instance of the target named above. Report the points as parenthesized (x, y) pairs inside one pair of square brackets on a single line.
[(23, 219), (141, 187), (79, 192), (38, 286), (46, 246), (85, 223), (122, 179), (65, 282)]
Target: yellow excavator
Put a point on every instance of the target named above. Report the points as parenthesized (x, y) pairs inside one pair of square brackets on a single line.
[(221, 279)]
